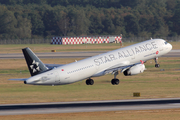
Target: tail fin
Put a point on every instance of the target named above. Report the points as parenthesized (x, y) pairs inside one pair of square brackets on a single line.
[(33, 62)]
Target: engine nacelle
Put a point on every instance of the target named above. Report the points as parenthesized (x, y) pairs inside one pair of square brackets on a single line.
[(134, 70)]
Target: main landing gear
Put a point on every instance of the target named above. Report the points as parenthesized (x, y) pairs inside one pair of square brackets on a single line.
[(156, 61), (115, 81), (89, 81)]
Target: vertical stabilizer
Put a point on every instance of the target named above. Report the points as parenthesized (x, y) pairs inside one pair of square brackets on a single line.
[(33, 62)]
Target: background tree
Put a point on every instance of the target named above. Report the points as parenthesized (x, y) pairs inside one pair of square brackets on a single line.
[(47, 18), (96, 26), (63, 24), (7, 24), (23, 29), (131, 25), (176, 20), (37, 24)]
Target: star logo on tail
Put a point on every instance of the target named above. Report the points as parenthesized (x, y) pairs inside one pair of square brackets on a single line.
[(35, 66)]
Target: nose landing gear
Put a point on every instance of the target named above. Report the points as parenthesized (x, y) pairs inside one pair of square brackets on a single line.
[(156, 61)]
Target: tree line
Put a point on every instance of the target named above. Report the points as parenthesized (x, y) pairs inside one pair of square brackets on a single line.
[(24, 19)]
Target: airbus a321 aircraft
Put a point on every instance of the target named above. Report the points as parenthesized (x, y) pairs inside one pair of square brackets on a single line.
[(129, 60)]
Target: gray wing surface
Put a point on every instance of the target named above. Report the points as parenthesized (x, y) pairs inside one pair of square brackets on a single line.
[(51, 66)]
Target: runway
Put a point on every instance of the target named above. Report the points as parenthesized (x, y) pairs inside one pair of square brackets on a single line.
[(172, 53), (89, 106)]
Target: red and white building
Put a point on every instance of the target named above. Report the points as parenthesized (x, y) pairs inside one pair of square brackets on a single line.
[(85, 40)]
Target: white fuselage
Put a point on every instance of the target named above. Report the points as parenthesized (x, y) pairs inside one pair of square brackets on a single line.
[(96, 65)]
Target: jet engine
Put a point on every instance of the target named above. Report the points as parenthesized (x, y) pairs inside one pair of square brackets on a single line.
[(134, 70)]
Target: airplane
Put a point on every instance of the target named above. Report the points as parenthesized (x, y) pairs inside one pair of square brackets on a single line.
[(129, 60)]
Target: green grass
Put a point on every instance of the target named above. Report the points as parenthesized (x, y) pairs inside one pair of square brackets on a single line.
[(9, 71), (153, 83)]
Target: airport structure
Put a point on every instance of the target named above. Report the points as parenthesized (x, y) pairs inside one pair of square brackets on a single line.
[(86, 40)]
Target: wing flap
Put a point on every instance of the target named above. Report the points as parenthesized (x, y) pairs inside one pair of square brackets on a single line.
[(120, 67)]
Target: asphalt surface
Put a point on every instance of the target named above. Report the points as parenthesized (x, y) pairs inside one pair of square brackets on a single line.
[(172, 53), (89, 106)]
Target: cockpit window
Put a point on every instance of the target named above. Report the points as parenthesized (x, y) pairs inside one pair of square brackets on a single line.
[(166, 43)]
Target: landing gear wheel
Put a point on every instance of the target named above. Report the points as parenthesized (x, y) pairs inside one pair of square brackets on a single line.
[(112, 81), (89, 82), (115, 81), (157, 65), (156, 62)]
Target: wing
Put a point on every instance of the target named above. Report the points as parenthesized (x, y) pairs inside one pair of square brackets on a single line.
[(118, 67), (121, 68), (51, 66), (133, 68)]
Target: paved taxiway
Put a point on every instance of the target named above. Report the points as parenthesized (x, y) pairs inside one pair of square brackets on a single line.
[(89, 106), (172, 53)]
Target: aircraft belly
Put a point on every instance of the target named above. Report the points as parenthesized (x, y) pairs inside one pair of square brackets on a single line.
[(81, 75)]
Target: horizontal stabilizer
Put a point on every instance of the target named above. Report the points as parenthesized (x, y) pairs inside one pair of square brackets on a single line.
[(19, 79)]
